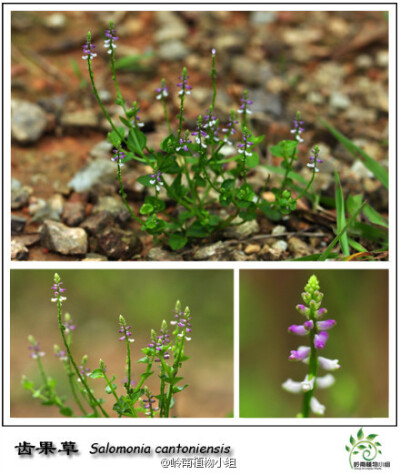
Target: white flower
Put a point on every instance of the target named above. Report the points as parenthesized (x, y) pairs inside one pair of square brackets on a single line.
[(325, 381), (327, 364), (292, 386), (317, 407), (307, 384)]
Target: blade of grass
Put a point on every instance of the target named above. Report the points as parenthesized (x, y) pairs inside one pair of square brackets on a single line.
[(357, 246), (375, 217), (373, 166), (327, 251), (341, 216)]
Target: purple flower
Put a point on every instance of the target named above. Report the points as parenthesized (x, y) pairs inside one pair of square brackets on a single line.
[(300, 354), (125, 330), (326, 324), (185, 88), (314, 160), (61, 355), (244, 146), (148, 404), (182, 321), (35, 350), (299, 329), (88, 50), (162, 91), (320, 340), (58, 290), (321, 312), (213, 51), (243, 109), (183, 144), (298, 128), (109, 43), (309, 325), (156, 179), (118, 156), (84, 371)]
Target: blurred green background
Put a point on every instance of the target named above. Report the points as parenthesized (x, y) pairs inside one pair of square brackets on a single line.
[(95, 299), (356, 299)]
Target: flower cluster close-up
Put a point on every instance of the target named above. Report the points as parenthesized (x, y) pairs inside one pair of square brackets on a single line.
[(316, 330)]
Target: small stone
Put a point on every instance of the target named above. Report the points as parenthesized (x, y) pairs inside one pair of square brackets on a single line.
[(339, 100), (56, 21), (242, 230), (114, 206), (252, 249), (93, 257), (97, 223), (240, 256), (280, 246), (173, 51), (19, 195), (266, 102), (382, 58), (251, 72), (62, 239), (83, 119), (118, 244), (27, 239), (74, 213), (361, 170), (56, 203), (298, 247), (28, 121), (211, 252), (315, 97), (159, 254), (41, 211), (176, 31), (364, 61), (102, 150), (262, 18), (18, 224), (18, 251), (97, 172), (278, 230)]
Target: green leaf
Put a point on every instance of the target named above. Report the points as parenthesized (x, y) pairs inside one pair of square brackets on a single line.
[(108, 388), (284, 149), (372, 436), (26, 384), (373, 233), (356, 452), (97, 373), (178, 389), (341, 216), (169, 143), (136, 141), (145, 180), (126, 122), (378, 443), (328, 250), (146, 208), (374, 216), (66, 411), (133, 62), (362, 446), (197, 230), (347, 448), (256, 140), (353, 202), (373, 166), (145, 359), (352, 440), (357, 246), (115, 138), (360, 434), (177, 241), (252, 160)]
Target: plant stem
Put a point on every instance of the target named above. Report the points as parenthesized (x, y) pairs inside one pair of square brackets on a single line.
[(312, 366), (176, 365), (75, 366)]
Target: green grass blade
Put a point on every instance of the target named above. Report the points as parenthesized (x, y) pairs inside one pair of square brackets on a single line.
[(357, 246), (341, 215), (375, 217), (373, 166), (327, 251)]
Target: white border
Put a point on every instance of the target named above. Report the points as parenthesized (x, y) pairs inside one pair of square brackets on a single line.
[(206, 265)]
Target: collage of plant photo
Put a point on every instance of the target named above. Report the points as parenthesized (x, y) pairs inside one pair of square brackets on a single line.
[(200, 215)]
